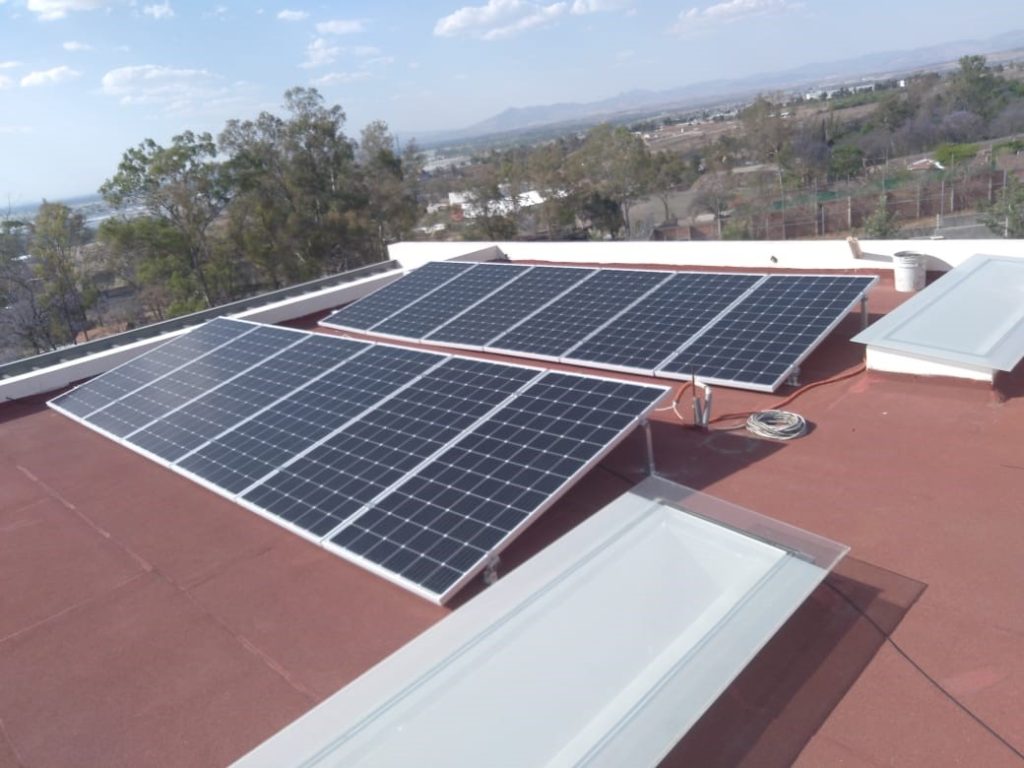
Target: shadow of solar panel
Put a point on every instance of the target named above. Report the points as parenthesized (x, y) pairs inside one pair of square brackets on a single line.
[(562, 324), (395, 296), (324, 487), (760, 340), (220, 409), (142, 370), (439, 527)]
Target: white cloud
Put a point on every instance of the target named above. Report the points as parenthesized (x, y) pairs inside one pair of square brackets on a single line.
[(9, 64), (49, 76), (158, 12), (339, 27), (173, 89), (5, 82), (498, 19), (341, 78), (320, 53), (74, 45), (287, 15), (582, 7), (730, 11), (50, 10)]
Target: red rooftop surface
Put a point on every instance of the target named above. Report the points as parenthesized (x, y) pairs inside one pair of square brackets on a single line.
[(147, 621)]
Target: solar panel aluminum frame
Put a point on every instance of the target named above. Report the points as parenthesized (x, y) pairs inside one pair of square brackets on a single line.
[(484, 347), (808, 349), (504, 543), (568, 359), (56, 406), (341, 327)]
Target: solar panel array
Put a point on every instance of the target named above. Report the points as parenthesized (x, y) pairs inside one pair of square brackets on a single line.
[(416, 465), (743, 330)]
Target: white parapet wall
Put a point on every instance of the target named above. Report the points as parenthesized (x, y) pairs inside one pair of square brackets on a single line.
[(916, 365), (818, 255), (62, 374)]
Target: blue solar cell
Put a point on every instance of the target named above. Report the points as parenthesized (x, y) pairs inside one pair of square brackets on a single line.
[(760, 340), (444, 522), (220, 409), (334, 480), (274, 436), (646, 335), (394, 297), (514, 302), (561, 325), (143, 370), (438, 307)]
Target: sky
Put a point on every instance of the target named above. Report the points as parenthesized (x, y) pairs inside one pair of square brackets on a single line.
[(81, 81)]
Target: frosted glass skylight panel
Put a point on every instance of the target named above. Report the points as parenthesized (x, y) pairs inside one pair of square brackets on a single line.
[(440, 526), (656, 326), (324, 487), (561, 325), (192, 380), (517, 300), (759, 342), (187, 428), (395, 296), (257, 447), (142, 370), (436, 308)]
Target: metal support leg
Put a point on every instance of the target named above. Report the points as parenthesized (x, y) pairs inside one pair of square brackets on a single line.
[(491, 571), (649, 443), (863, 311)]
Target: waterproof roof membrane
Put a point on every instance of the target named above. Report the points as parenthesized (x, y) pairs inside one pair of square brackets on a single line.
[(539, 670), (338, 440), (742, 330), (973, 316)]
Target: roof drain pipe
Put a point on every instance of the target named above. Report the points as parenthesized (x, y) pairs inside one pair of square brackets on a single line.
[(701, 406)]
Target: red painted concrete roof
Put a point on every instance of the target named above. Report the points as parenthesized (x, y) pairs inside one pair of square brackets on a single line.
[(146, 621)]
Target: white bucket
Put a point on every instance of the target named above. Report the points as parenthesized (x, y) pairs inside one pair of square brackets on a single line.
[(908, 271)]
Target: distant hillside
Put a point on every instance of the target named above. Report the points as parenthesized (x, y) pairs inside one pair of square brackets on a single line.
[(639, 102)]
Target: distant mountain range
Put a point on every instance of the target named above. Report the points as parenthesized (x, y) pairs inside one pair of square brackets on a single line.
[(714, 92)]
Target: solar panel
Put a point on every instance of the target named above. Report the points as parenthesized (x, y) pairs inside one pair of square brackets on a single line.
[(655, 327), (438, 528), (220, 409), (140, 371), (514, 302), (757, 343), (394, 297), (322, 488), (316, 432), (563, 323), (190, 381), (441, 305), (260, 445)]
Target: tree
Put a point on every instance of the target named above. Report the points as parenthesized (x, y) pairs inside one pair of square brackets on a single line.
[(391, 181), (546, 169), (614, 165), (26, 323), (975, 88), (55, 246), (766, 132), (183, 184), (1006, 215), (669, 171), (882, 223)]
